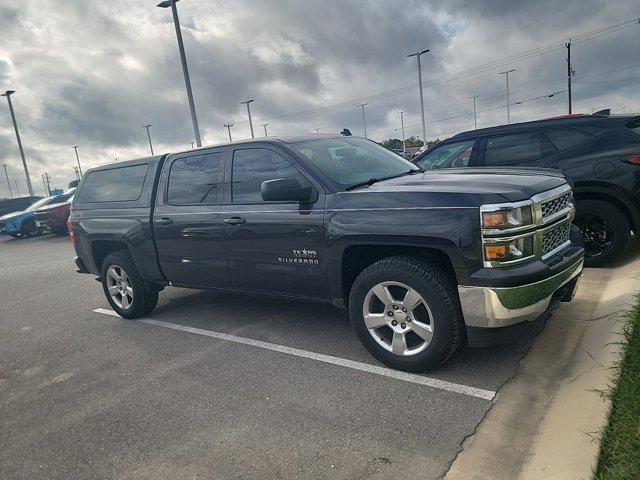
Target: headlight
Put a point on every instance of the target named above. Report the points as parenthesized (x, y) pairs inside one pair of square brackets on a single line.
[(506, 218), (508, 250)]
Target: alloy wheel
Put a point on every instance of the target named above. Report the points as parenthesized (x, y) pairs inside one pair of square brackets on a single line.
[(119, 286), (398, 318), (598, 234)]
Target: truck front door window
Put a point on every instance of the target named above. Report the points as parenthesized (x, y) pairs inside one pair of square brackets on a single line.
[(194, 180)]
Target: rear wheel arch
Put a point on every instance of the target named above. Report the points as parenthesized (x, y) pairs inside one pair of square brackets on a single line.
[(100, 249), (581, 194)]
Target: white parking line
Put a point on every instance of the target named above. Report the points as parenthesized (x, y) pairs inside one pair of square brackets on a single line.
[(343, 362)]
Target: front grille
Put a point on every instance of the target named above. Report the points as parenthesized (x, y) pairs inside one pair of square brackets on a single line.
[(555, 237), (556, 205)]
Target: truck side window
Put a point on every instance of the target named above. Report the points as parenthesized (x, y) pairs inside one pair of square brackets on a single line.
[(515, 149), (447, 156), (118, 184), (194, 180), (253, 166)]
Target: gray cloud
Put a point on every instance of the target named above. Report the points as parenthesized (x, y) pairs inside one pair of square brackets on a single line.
[(93, 73)]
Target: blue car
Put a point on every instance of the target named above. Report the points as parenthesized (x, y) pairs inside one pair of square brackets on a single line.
[(23, 224)]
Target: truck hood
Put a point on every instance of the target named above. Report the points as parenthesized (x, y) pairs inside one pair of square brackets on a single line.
[(513, 184)]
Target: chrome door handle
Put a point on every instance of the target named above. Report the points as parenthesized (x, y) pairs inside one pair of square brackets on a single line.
[(164, 221), (234, 221)]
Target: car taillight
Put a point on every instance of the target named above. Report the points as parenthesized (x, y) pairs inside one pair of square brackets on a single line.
[(72, 234), (632, 159)]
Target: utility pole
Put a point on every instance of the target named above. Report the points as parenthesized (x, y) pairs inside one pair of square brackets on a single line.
[(570, 73), (8, 182), (229, 125), (44, 184), (424, 123), (364, 122), (17, 187), (185, 70), (475, 113), (317, 130), (265, 129), (75, 170), (404, 146), (506, 74), (149, 137), (78, 159), (8, 94), (247, 102), (48, 179), (192, 145)]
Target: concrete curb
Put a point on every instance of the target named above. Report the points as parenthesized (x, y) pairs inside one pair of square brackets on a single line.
[(543, 422)]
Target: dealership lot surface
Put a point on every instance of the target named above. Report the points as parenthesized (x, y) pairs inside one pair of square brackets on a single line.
[(85, 394)]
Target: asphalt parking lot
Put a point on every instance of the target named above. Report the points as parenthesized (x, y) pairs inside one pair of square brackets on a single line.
[(88, 395)]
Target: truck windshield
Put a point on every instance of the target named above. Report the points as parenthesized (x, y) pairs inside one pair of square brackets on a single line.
[(351, 161)]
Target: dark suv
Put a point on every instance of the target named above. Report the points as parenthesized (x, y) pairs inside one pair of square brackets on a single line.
[(600, 154)]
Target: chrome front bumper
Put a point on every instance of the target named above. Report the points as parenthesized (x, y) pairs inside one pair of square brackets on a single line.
[(502, 306)]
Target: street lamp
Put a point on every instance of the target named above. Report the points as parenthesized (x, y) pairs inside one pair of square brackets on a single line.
[(185, 70), (424, 124), (247, 102), (506, 74), (229, 125), (265, 129), (149, 136), (8, 94), (364, 122), (78, 159), (404, 148)]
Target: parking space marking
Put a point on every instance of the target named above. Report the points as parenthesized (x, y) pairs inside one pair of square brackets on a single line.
[(343, 362)]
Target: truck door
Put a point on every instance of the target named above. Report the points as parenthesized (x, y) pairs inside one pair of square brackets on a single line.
[(275, 247), (186, 219)]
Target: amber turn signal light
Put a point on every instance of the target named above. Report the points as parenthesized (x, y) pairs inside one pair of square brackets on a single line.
[(494, 219), (495, 252)]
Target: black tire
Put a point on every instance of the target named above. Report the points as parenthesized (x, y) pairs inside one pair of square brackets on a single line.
[(605, 230), (438, 291), (145, 296), (29, 228)]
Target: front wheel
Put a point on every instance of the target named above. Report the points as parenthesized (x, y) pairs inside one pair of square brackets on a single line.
[(406, 313), (605, 231), (127, 292), (29, 228)]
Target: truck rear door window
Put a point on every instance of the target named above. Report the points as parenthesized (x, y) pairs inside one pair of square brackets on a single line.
[(120, 184), (194, 180), (565, 139)]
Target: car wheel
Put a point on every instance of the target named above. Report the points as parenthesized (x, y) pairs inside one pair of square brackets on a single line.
[(605, 230), (29, 228), (406, 313), (126, 291)]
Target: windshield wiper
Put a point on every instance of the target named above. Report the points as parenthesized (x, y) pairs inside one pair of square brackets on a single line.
[(371, 181)]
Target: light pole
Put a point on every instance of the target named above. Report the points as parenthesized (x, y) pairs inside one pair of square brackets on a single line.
[(17, 187), (424, 123), (404, 147), (78, 159), (185, 70), (48, 180), (8, 94), (265, 129), (364, 122), (8, 182), (149, 137), (247, 102), (475, 112), (317, 130), (192, 145), (229, 125), (506, 74)]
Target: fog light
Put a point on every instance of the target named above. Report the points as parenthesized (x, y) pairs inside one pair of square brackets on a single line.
[(495, 252)]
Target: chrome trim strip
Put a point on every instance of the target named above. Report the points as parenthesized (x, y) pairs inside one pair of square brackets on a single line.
[(503, 306)]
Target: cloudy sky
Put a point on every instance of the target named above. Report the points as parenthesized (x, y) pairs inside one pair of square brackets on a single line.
[(92, 73)]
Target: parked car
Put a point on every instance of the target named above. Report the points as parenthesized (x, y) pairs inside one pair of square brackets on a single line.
[(23, 224), (54, 216), (599, 153), (9, 205), (422, 261)]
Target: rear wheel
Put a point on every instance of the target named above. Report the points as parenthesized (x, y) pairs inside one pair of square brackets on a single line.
[(605, 230), (406, 313), (127, 292)]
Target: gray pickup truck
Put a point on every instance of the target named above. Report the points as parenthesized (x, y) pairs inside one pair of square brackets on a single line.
[(422, 261)]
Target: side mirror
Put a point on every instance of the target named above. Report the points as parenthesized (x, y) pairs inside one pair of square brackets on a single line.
[(285, 190)]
